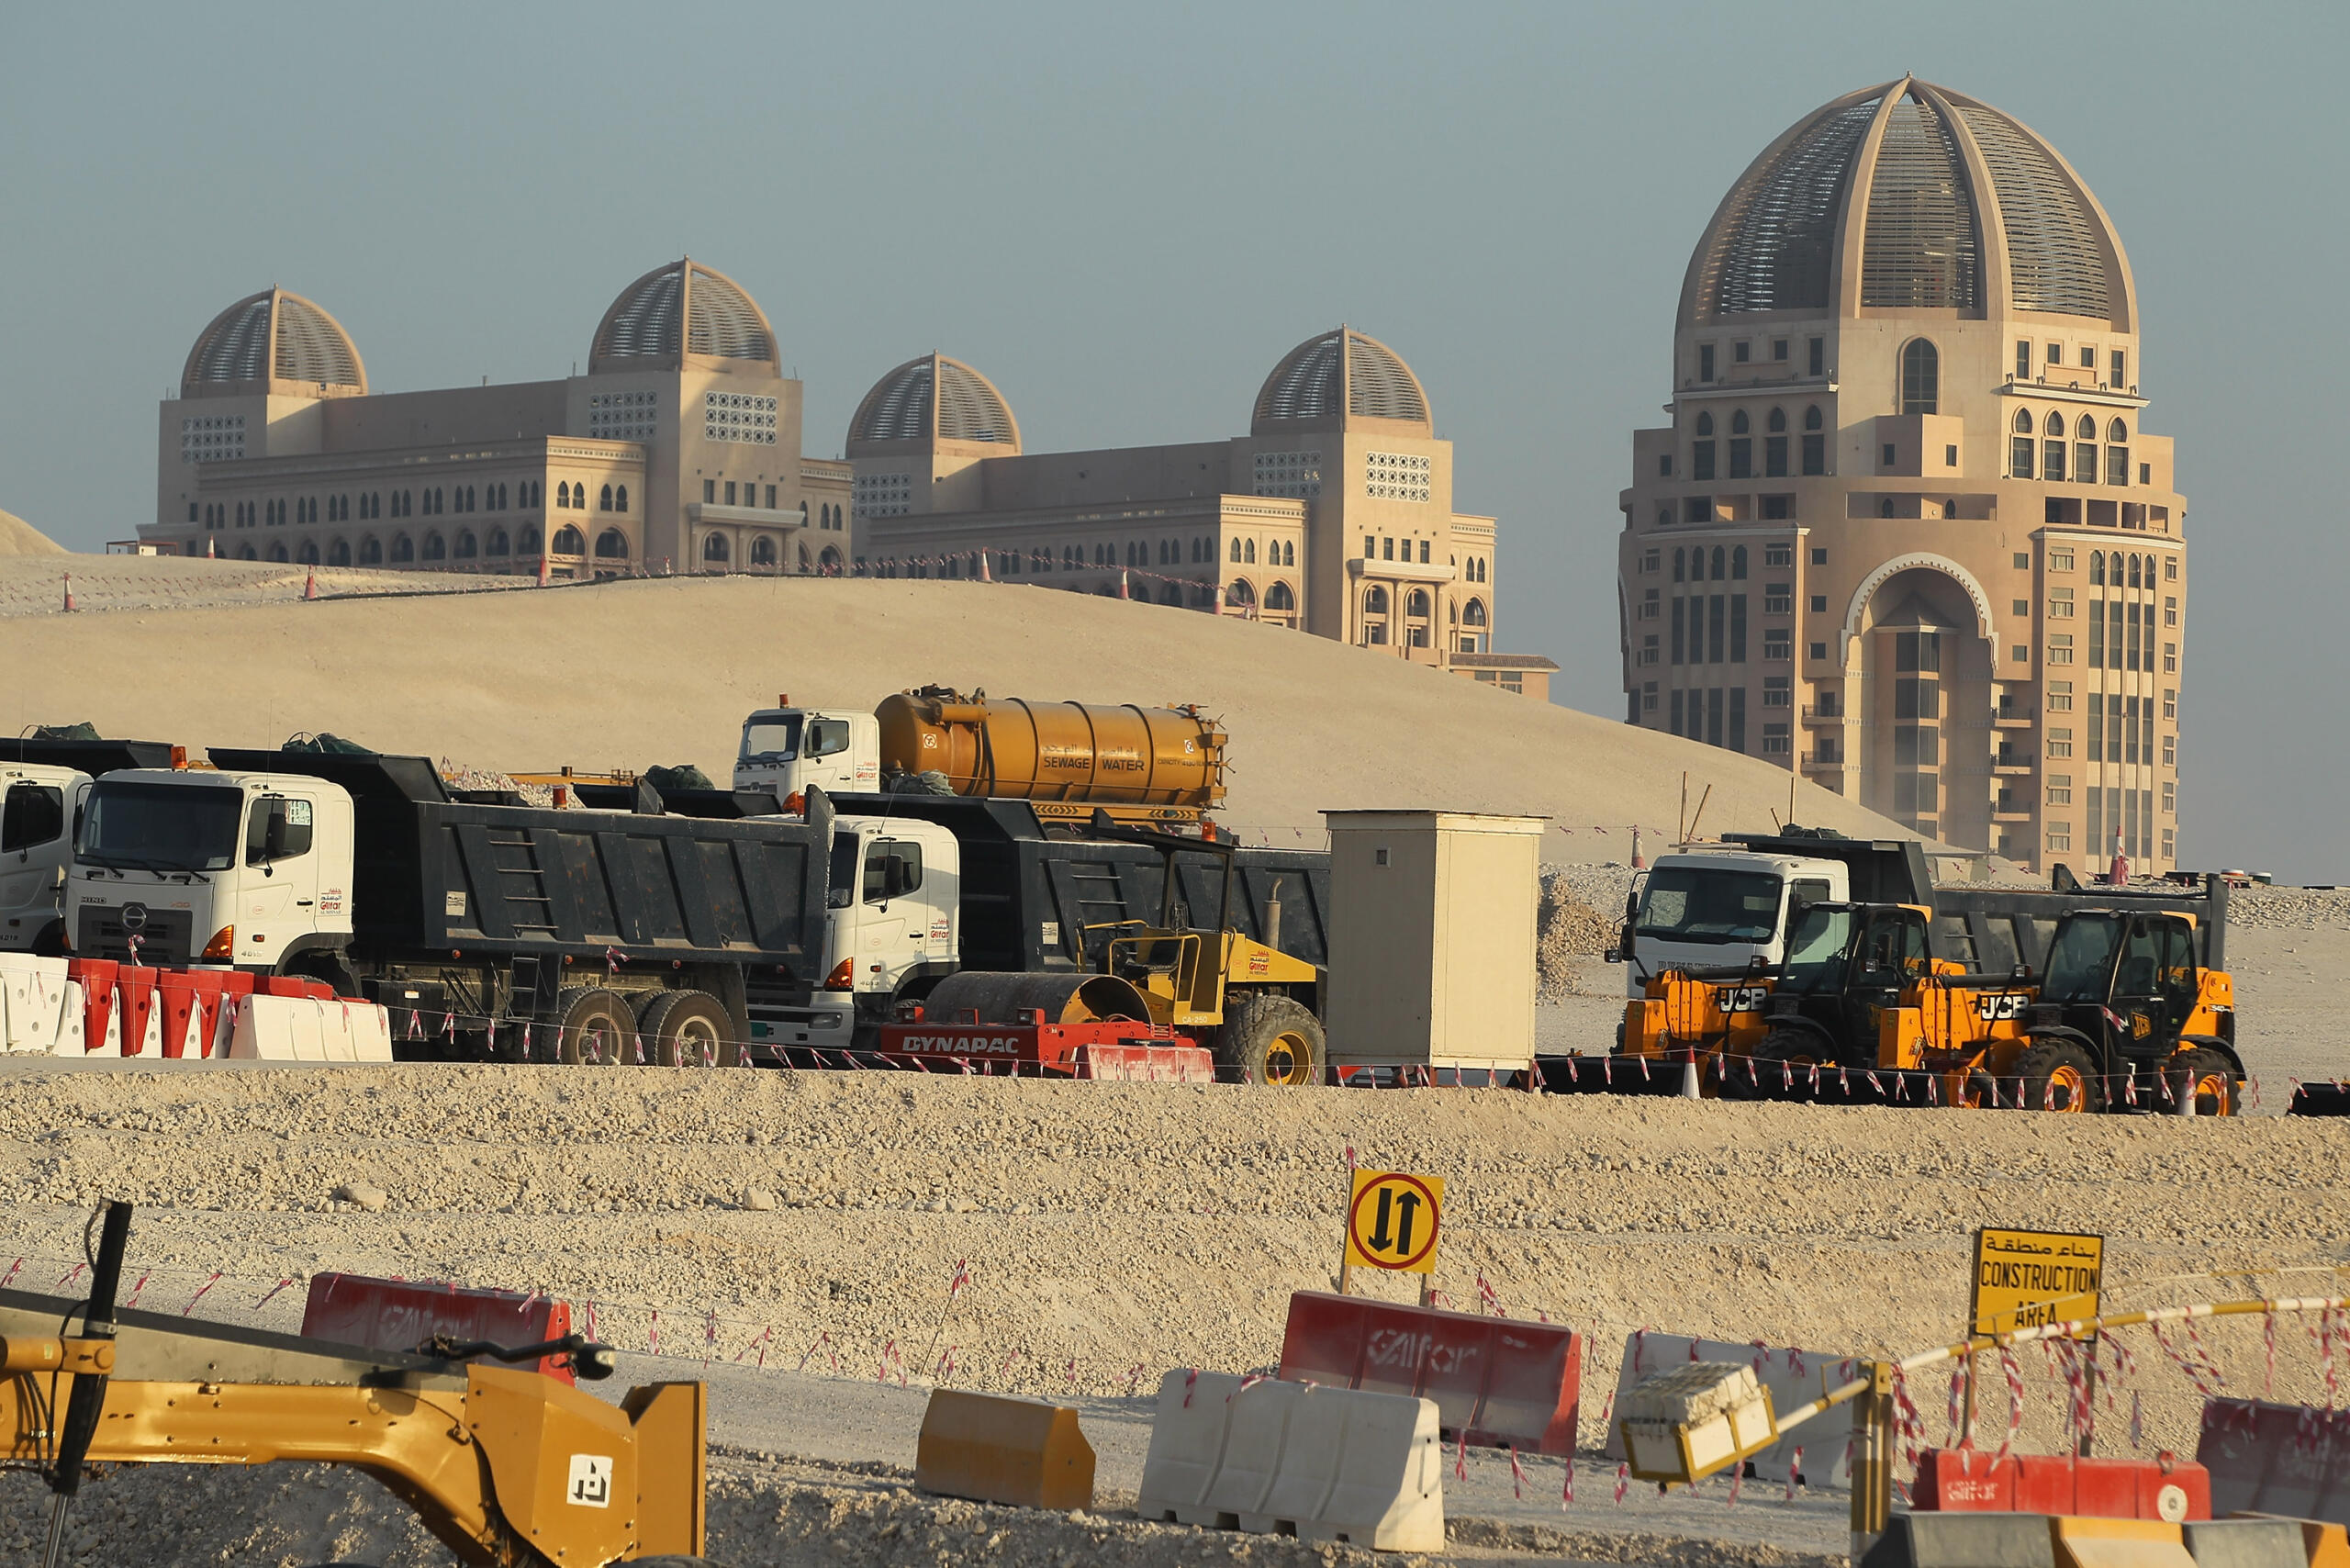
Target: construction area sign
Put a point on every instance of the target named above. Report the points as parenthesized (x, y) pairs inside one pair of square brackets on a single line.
[(1392, 1220), (2026, 1278)]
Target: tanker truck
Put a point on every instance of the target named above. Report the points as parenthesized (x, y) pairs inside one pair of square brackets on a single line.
[(1144, 766)]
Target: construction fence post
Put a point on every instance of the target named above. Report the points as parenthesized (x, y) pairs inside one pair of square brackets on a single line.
[(1872, 1459)]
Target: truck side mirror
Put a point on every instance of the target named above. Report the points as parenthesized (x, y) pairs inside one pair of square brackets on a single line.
[(1612, 955)]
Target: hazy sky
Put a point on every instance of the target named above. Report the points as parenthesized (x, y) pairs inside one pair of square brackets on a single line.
[(1125, 215)]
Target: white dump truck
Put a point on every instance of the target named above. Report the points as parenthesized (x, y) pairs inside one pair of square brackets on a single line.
[(43, 784)]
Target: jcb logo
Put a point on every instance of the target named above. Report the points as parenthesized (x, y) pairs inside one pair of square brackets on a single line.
[(1999, 1005), (2141, 1026), (1744, 997)]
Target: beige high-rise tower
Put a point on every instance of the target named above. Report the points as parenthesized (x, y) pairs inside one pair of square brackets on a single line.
[(1906, 531)]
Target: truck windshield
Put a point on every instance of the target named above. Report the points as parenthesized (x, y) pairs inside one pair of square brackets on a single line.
[(2080, 957), (161, 827), (1817, 948), (1695, 903), (771, 740)]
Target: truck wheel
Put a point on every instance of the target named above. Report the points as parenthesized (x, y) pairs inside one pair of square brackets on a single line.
[(2211, 1079), (595, 1026), (2058, 1075), (1272, 1040), (690, 1028), (1783, 1063)]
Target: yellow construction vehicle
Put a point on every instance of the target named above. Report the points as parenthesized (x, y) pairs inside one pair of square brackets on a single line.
[(511, 1468), (1701, 1014)]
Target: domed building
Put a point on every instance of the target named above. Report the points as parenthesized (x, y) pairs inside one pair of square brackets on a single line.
[(677, 451), (1906, 531), (1333, 515)]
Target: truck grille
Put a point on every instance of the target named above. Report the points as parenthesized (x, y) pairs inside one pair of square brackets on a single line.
[(163, 937)]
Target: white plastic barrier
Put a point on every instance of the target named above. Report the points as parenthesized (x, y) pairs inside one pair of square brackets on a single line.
[(73, 1022), (300, 1028), (32, 1003), (1794, 1377), (1265, 1456)]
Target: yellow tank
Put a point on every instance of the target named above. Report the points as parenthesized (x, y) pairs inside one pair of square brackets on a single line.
[(1055, 750)]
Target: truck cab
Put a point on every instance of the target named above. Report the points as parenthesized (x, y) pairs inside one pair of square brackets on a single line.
[(786, 749), (172, 867), (1721, 910), (38, 807), (891, 931)]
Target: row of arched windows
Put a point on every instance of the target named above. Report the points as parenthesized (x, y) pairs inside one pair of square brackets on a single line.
[(2060, 458), (370, 504), (1417, 605), (1277, 551), (1690, 564), (829, 518), (1478, 567), (2124, 571), (1776, 452)]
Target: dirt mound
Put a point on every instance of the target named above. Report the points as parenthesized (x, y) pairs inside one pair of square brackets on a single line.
[(18, 537), (1567, 929)]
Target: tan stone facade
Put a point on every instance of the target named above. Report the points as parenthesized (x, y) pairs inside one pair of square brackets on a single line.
[(1906, 531), (678, 450), (1334, 515)]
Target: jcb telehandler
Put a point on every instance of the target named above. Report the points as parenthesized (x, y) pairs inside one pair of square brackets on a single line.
[(511, 1468)]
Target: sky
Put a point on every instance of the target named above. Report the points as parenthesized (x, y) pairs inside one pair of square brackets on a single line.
[(1125, 215)]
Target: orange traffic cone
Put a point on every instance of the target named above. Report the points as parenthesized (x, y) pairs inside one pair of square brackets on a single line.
[(1121, 586), (986, 575), (310, 586), (69, 593)]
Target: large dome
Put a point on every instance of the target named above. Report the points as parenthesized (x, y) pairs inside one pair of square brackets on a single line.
[(272, 336), (934, 399), (1961, 208), (1315, 385), (678, 309)]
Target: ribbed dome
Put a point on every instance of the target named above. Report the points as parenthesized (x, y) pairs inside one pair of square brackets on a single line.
[(274, 336), (1963, 208), (1310, 387), (934, 399), (678, 309)]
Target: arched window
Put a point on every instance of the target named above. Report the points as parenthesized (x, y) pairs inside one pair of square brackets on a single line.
[(1664, 517), (1737, 563), (1811, 421), (604, 501), (1249, 553), (805, 564), (1417, 603), (1884, 507), (569, 540), (2023, 421), (2055, 422), (563, 495), (829, 563), (2134, 581), (1235, 552), (498, 543), (1474, 613), (1680, 563), (466, 544), (2086, 429), (762, 550), (2117, 431), (1920, 379), (371, 551), (1278, 596), (277, 552), (611, 545), (713, 547), (2097, 568), (1171, 594), (309, 554), (339, 553), (436, 547), (1375, 601), (1739, 424), (1717, 573), (246, 553), (527, 542), (1778, 420), (1705, 424), (1289, 553), (1240, 592)]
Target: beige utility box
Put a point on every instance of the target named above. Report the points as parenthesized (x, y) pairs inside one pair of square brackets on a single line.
[(1432, 932)]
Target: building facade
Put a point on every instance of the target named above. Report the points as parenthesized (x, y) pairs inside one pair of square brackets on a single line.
[(1906, 531), (1334, 515), (678, 450)]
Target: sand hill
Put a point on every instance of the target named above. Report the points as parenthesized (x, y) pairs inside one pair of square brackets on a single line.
[(637, 673), (18, 537)]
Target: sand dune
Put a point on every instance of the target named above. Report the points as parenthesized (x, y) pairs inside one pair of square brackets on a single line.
[(637, 673), (18, 537)]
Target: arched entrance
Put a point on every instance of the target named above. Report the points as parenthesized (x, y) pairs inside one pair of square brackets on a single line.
[(1924, 702)]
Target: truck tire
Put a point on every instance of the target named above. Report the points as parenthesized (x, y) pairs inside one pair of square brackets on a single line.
[(595, 1027), (1783, 1063), (2213, 1078), (2058, 1075), (690, 1028), (1273, 1040)]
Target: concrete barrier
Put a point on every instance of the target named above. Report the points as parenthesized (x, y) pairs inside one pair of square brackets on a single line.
[(1504, 1383), (2245, 1544), (72, 1022), (1973, 1481), (32, 1003), (1963, 1541), (2275, 1459), (1794, 1377), (1268, 1456), (2119, 1543), (401, 1314), (997, 1450)]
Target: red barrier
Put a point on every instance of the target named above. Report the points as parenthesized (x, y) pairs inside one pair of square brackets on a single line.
[(96, 978), (135, 995), (400, 1315), (190, 1000), (1507, 1383), (2277, 1459), (293, 986), (1969, 1480)]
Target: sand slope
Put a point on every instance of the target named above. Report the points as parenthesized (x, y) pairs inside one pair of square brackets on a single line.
[(18, 537), (637, 673)]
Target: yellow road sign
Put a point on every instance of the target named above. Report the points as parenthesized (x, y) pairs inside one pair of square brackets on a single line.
[(2025, 1278), (1392, 1220)]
